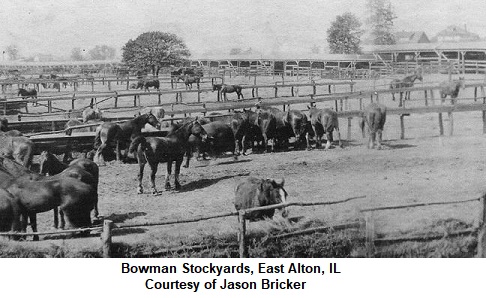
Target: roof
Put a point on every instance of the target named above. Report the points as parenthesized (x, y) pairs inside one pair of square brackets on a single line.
[(456, 31), (411, 36), (285, 57), (59, 63), (418, 47)]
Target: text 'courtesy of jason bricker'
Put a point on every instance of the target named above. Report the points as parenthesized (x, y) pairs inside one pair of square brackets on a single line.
[(231, 277)]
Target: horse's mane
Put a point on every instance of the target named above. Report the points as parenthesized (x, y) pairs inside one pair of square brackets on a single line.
[(178, 126)]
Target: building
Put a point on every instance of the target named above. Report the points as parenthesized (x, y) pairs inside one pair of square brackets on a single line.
[(455, 34), (411, 37)]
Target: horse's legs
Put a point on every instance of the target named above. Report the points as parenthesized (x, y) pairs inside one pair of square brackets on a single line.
[(372, 138), (63, 220), (153, 172), (265, 141), (33, 225), (141, 166), (339, 137), (56, 218), (379, 133), (328, 139), (178, 163), (167, 176), (188, 156), (98, 157), (118, 151)]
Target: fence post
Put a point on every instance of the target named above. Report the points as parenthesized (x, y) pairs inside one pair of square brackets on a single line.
[(484, 112), (106, 238), (241, 234), (349, 128), (481, 253), (370, 234), (451, 123), (402, 127)]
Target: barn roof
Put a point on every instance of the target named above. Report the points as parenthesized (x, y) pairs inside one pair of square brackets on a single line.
[(420, 47)]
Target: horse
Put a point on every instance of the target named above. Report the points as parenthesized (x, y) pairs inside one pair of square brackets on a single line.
[(146, 84), (244, 128), (374, 117), (10, 211), (38, 194), (324, 121), (92, 114), (49, 165), (451, 88), (121, 134), (220, 139), (191, 79), (223, 88), (267, 123), (27, 93), (19, 148), (406, 82), (154, 150), (5, 131), (298, 123)]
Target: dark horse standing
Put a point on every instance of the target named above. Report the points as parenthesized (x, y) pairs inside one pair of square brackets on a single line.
[(168, 149), (406, 82), (228, 89), (123, 133), (191, 79), (27, 93)]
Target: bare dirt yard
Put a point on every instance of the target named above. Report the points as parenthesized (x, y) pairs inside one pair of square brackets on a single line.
[(421, 168)]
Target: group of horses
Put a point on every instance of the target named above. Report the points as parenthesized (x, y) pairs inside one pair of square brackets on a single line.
[(71, 190), (447, 88)]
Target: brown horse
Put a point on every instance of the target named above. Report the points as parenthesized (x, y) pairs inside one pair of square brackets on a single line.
[(17, 147), (10, 211), (374, 116), (121, 134), (49, 165), (38, 194), (223, 88), (191, 79), (406, 82), (451, 88), (172, 148), (324, 121)]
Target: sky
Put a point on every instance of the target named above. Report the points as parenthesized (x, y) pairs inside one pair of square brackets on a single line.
[(287, 26)]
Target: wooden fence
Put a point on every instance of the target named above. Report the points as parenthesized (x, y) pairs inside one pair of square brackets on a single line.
[(367, 226)]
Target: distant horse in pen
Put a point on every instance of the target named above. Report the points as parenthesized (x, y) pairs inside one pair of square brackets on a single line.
[(146, 84), (191, 79), (406, 82), (374, 118), (324, 121), (27, 93), (224, 89), (452, 88)]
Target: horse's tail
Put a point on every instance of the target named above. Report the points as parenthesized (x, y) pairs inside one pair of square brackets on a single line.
[(140, 140)]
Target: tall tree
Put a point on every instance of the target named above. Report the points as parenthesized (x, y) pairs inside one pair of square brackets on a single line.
[(380, 21), (102, 52), (154, 50), (12, 52), (344, 35), (77, 54)]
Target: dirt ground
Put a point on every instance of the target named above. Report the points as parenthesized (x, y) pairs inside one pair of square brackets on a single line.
[(422, 168)]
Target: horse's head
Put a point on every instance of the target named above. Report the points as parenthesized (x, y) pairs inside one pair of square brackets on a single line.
[(217, 87), (44, 162), (152, 120), (420, 78), (21, 91), (198, 130), (276, 192)]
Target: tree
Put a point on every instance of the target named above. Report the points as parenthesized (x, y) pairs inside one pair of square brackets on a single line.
[(235, 51), (344, 35), (154, 50), (380, 20), (12, 52), (102, 52), (77, 54)]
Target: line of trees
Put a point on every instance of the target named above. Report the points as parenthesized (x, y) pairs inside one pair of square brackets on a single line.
[(99, 52)]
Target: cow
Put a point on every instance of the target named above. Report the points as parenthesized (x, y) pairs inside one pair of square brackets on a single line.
[(374, 116), (256, 192), (324, 121)]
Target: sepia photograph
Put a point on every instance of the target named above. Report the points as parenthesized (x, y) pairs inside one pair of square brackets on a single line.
[(242, 129)]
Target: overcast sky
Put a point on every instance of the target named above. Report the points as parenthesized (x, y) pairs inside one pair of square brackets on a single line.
[(56, 26)]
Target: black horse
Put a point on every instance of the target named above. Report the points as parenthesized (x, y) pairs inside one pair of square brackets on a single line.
[(406, 82), (27, 93), (146, 84), (191, 79), (121, 134), (168, 149), (223, 88)]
